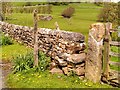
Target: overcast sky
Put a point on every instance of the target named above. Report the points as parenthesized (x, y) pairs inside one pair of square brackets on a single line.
[(115, 0)]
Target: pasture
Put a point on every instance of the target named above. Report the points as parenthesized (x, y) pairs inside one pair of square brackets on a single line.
[(85, 15)]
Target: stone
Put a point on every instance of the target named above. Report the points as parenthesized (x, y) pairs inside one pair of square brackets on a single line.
[(80, 71), (48, 53), (63, 55), (76, 58), (53, 54), (46, 18), (65, 70), (56, 71), (81, 65), (56, 57), (64, 42), (61, 62), (93, 64), (97, 30), (83, 46), (53, 65), (72, 44), (77, 37), (69, 51), (59, 45), (75, 48), (58, 48), (81, 77), (63, 46), (70, 66)]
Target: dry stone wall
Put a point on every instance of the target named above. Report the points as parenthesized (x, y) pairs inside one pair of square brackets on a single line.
[(66, 49)]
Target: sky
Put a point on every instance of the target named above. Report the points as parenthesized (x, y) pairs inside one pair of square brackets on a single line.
[(115, 0)]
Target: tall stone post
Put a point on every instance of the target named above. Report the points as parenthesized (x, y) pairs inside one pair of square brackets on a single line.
[(93, 67)]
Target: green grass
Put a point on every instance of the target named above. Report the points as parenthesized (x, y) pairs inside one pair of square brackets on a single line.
[(117, 68), (47, 80), (9, 51), (115, 49), (84, 16), (18, 3), (115, 59)]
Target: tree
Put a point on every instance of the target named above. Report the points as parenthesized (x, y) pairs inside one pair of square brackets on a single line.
[(28, 4), (109, 13), (1, 17), (68, 13), (6, 9), (49, 8), (119, 13), (98, 3)]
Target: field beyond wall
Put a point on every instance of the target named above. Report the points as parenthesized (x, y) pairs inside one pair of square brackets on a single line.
[(85, 15)]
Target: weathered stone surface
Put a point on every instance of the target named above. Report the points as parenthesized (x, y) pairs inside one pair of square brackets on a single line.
[(76, 58), (53, 64), (70, 66), (56, 70), (81, 77), (46, 18), (75, 48), (77, 37), (94, 55), (63, 55), (66, 70), (97, 31), (61, 62), (80, 71)]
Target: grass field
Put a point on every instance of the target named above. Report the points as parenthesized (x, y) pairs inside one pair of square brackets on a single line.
[(47, 80), (85, 15), (10, 51)]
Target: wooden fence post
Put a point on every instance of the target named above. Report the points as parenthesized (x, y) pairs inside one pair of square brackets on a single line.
[(93, 67), (35, 39), (106, 50)]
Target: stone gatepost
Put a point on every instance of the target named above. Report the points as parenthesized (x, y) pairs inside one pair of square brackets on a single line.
[(93, 67)]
